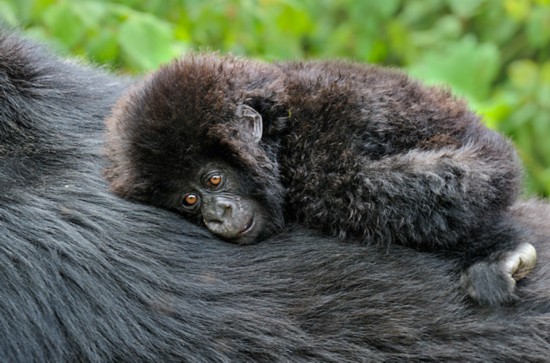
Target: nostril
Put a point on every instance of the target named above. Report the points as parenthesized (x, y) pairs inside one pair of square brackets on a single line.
[(218, 210), (224, 208)]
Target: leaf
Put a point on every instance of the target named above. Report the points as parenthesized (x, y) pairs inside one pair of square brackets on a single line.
[(524, 75), (375, 9), (36, 8), (293, 21), (104, 47), (494, 111), (146, 41), (449, 27), (90, 13), (469, 67), (538, 27), (543, 93), (465, 8), (8, 13), (541, 127), (64, 23), (518, 9)]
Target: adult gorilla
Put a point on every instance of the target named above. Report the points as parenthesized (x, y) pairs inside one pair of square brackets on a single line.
[(85, 276)]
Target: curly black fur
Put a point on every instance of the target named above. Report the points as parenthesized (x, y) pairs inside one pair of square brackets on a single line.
[(86, 276), (370, 153), (358, 151)]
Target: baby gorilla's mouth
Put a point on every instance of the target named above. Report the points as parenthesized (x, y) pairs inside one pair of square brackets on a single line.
[(247, 227)]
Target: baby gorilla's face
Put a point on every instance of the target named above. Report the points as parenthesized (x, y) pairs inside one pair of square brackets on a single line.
[(215, 196)]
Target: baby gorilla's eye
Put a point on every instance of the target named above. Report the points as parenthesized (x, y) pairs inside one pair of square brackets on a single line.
[(190, 200), (214, 181)]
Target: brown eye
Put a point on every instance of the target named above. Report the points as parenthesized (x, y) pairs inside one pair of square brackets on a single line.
[(190, 199), (214, 181)]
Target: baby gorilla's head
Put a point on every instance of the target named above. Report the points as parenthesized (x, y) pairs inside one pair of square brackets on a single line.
[(186, 138)]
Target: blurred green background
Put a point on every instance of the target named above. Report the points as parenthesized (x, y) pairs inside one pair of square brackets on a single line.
[(496, 53)]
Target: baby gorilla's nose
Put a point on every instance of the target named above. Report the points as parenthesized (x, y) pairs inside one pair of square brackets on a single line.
[(224, 208), (225, 217), (219, 210), (232, 217)]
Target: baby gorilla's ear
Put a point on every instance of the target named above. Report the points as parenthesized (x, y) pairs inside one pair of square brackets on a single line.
[(252, 122)]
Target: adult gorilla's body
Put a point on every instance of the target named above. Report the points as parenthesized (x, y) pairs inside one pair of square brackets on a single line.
[(87, 276)]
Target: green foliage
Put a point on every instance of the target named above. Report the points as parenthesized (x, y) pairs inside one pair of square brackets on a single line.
[(496, 53)]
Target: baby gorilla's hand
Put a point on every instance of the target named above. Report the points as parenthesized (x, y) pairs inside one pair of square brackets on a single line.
[(493, 282)]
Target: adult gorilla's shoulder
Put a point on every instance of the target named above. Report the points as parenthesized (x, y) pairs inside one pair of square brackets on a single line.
[(86, 276), (47, 106)]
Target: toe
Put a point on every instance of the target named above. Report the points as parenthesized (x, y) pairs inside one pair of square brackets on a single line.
[(521, 261)]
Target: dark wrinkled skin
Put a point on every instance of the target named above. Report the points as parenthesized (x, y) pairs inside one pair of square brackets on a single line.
[(86, 276), (355, 151), (224, 209)]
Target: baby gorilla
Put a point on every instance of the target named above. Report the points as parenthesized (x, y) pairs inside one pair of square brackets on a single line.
[(355, 151)]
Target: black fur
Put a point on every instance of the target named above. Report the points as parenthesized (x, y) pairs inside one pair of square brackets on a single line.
[(399, 161), (357, 151), (85, 276)]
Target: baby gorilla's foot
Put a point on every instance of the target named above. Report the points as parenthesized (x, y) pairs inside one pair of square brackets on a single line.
[(493, 281)]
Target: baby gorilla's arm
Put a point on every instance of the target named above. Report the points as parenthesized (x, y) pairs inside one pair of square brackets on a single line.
[(433, 199), (430, 200)]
